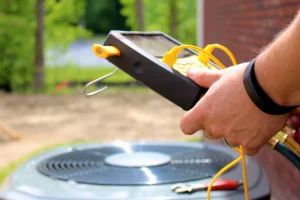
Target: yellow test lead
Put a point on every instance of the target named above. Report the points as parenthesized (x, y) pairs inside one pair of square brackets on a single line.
[(222, 171), (245, 178)]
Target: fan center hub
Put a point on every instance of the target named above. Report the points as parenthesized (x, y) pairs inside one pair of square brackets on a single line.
[(138, 159)]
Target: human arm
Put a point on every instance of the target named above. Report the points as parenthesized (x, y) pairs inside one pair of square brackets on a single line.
[(226, 109), (278, 67)]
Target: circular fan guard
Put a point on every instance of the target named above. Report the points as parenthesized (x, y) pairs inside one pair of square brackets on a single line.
[(88, 166)]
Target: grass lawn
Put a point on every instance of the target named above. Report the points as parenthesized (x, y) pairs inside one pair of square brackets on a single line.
[(5, 171)]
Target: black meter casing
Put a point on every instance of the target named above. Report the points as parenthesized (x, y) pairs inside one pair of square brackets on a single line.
[(152, 72)]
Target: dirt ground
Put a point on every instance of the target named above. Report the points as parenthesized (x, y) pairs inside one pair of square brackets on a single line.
[(44, 120)]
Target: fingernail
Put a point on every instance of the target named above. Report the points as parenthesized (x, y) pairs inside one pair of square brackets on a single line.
[(192, 72)]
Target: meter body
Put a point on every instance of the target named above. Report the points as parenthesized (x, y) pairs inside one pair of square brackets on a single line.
[(140, 57)]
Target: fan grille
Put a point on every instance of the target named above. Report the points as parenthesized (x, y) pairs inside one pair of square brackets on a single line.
[(88, 165)]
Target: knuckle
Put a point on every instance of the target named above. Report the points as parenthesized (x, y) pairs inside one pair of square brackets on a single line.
[(208, 134), (218, 130), (231, 137), (250, 148), (214, 131), (211, 133)]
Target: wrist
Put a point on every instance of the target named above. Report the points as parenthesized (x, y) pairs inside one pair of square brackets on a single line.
[(278, 67), (270, 81), (258, 96)]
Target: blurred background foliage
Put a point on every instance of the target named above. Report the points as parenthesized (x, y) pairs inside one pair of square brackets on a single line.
[(103, 16), (174, 17), (62, 22), (16, 44), (67, 21)]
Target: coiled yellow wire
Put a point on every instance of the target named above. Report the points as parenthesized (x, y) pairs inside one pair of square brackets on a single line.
[(239, 150), (204, 56), (171, 56)]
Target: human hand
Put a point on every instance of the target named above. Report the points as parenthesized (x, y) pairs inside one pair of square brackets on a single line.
[(227, 111), (294, 122)]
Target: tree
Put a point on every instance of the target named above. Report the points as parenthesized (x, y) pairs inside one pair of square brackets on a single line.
[(170, 16), (17, 37), (62, 22), (38, 82), (101, 16), (140, 14), (173, 11), (16, 44), (187, 20)]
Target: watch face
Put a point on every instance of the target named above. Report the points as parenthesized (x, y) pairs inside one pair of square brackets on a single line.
[(155, 44)]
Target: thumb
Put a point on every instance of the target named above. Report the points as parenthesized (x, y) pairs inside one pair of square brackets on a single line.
[(204, 77)]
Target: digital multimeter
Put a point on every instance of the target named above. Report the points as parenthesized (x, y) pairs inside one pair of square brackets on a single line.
[(143, 55), (161, 63)]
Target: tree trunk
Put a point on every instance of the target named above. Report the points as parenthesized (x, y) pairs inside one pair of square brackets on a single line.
[(39, 47), (7, 69), (140, 14), (173, 18), (7, 6)]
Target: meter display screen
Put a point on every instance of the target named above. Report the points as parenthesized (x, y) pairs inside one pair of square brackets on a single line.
[(155, 44)]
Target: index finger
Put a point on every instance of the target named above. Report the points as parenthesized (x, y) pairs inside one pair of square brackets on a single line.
[(192, 121)]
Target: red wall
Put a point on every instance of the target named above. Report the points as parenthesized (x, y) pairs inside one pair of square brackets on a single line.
[(245, 27)]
